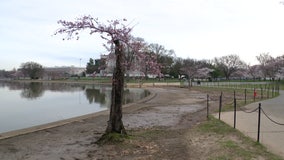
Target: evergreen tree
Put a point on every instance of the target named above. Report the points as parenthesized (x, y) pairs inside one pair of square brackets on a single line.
[(90, 69)]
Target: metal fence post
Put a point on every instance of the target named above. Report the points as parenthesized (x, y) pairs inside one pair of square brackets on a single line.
[(245, 96), (207, 106), (261, 93), (220, 105), (254, 94), (272, 88), (258, 128), (235, 112)]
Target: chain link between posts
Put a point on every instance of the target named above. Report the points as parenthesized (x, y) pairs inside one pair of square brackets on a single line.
[(281, 124), (266, 115), (249, 111)]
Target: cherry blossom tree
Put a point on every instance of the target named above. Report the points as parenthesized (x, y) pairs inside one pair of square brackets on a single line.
[(134, 55), (148, 64), (140, 60), (118, 37), (280, 66), (196, 68), (270, 66), (190, 67), (240, 73), (265, 60), (254, 71), (204, 72)]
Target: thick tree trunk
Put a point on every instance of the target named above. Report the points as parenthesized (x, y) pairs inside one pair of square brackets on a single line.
[(115, 118)]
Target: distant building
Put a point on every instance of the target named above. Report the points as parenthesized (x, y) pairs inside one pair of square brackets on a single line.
[(107, 64), (62, 72)]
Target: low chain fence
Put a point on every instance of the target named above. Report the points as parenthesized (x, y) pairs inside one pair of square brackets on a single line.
[(258, 109), (264, 89)]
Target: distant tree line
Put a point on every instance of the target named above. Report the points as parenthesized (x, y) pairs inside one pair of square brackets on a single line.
[(32, 70), (225, 67)]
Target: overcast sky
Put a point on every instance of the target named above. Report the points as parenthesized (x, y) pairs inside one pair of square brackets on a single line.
[(198, 29)]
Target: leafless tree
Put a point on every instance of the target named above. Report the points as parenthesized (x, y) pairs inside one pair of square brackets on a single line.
[(229, 64)]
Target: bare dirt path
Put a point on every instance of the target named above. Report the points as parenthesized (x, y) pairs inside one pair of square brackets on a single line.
[(157, 126)]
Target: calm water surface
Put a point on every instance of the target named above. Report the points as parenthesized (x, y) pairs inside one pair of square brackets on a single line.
[(25, 105)]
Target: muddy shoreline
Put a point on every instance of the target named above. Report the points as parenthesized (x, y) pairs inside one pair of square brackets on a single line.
[(14, 133), (166, 108)]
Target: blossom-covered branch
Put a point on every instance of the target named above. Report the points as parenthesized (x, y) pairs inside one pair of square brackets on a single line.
[(113, 30)]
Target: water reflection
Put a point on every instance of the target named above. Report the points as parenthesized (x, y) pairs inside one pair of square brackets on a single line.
[(132, 95), (94, 93), (27, 104), (61, 87), (32, 90)]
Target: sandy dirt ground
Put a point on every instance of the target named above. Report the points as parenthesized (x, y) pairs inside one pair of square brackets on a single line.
[(159, 128), (166, 109)]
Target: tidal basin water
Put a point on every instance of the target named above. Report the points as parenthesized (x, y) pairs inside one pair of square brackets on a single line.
[(25, 105)]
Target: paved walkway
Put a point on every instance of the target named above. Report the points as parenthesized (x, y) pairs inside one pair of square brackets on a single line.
[(271, 134)]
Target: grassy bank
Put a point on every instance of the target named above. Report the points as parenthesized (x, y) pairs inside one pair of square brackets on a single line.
[(230, 143)]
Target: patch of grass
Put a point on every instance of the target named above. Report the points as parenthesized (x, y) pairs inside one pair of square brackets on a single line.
[(112, 138), (240, 147), (215, 126), (247, 150), (236, 151)]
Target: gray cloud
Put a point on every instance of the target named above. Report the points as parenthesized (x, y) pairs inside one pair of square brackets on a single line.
[(196, 29)]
